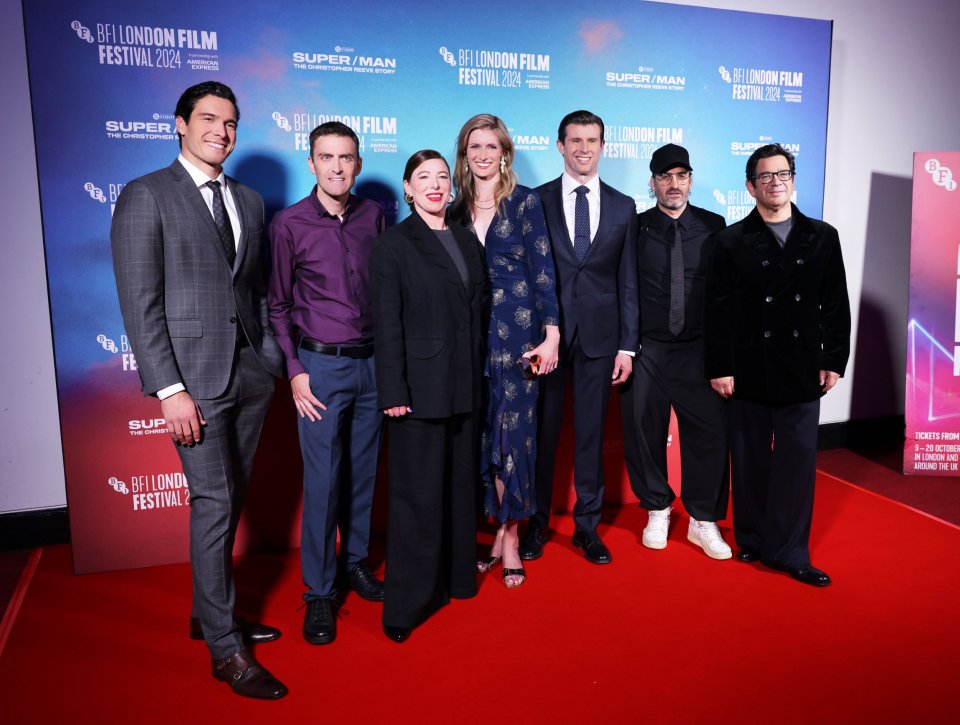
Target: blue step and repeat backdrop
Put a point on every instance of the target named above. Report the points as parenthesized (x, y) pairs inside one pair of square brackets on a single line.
[(105, 76)]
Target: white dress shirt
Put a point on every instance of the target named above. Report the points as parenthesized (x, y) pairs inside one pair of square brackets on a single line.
[(568, 185), (200, 178)]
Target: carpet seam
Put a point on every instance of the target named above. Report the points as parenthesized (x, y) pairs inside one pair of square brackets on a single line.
[(891, 500), (16, 599)]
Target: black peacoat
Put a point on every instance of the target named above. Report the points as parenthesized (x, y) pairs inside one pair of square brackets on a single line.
[(775, 317)]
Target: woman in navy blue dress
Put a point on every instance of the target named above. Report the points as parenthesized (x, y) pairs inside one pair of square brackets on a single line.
[(524, 325)]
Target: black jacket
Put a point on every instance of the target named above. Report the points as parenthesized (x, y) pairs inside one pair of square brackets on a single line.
[(775, 317), (428, 325)]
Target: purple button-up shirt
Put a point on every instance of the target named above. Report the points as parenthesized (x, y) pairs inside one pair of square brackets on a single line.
[(320, 281)]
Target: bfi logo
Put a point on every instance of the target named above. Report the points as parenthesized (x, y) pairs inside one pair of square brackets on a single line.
[(941, 175)]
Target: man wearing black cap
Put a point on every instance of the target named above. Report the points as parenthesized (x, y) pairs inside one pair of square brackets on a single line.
[(668, 370)]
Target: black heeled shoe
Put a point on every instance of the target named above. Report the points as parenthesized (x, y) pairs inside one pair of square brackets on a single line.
[(521, 572), (485, 565)]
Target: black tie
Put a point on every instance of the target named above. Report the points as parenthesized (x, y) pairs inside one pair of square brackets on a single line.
[(581, 224), (676, 283), (223, 223)]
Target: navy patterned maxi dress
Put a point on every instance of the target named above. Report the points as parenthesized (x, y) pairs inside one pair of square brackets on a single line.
[(522, 300)]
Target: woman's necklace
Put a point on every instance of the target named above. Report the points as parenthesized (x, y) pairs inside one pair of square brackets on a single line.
[(477, 205)]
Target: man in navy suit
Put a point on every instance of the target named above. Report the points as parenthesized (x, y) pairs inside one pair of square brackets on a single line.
[(187, 246), (593, 233)]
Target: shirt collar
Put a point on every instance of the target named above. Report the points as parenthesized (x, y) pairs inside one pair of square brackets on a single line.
[(322, 210), (568, 184), (667, 221), (198, 176)]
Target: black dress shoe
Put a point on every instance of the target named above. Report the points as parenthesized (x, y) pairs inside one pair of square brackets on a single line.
[(397, 634), (593, 549), (532, 545), (320, 621), (747, 555), (806, 573), (364, 583), (252, 632), (248, 677)]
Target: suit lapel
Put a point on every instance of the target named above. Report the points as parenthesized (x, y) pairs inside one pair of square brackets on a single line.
[(552, 202), (433, 250), (607, 202), (797, 249), (242, 218), (195, 203)]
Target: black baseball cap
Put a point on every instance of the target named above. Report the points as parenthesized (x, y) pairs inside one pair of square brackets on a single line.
[(669, 157)]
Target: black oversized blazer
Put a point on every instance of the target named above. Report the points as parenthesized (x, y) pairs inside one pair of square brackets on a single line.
[(428, 325), (775, 317)]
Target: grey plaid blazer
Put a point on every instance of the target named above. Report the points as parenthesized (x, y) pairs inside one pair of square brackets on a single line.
[(181, 301)]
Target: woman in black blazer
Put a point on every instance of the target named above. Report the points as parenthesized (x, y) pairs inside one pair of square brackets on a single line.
[(428, 298)]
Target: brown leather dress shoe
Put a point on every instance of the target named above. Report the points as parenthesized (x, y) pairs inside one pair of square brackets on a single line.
[(252, 632), (247, 677)]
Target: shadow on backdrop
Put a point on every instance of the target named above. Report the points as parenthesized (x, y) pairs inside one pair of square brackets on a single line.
[(878, 385)]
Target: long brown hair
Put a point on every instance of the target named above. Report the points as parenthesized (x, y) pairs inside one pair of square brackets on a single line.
[(463, 179)]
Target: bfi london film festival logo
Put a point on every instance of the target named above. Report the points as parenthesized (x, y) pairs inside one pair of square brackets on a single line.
[(376, 133), (343, 59), (941, 175), (148, 46), (127, 360), (97, 194), (153, 491), (763, 84), (738, 203), (638, 142), (498, 68)]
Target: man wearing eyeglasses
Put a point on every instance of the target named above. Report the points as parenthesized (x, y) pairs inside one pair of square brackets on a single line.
[(668, 368), (777, 338)]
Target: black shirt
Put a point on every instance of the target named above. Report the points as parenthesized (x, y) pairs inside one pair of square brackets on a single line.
[(655, 238)]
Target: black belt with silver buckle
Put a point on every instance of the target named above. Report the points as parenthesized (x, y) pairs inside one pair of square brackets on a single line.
[(357, 352)]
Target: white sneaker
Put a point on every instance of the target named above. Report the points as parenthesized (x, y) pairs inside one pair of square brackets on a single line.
[(655, 532), (706, 535)]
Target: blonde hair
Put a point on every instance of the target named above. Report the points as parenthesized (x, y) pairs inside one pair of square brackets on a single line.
[(463, 179)]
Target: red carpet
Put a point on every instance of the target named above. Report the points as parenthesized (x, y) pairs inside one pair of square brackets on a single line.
[(659, 637)]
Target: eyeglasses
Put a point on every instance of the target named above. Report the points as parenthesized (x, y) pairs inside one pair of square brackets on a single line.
[(680, 176), (767, 176)]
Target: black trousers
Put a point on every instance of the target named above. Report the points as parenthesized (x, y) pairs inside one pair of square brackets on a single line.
[(591, 396), (665, 375), (432, 516), (773, 451)]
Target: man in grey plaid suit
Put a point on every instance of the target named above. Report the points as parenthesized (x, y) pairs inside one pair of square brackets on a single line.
[(187, 258)]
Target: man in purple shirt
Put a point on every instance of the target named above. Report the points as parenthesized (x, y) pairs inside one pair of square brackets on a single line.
[(320, 309)]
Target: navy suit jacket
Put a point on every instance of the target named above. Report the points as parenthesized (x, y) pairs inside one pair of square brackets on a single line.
[(598, 297)]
